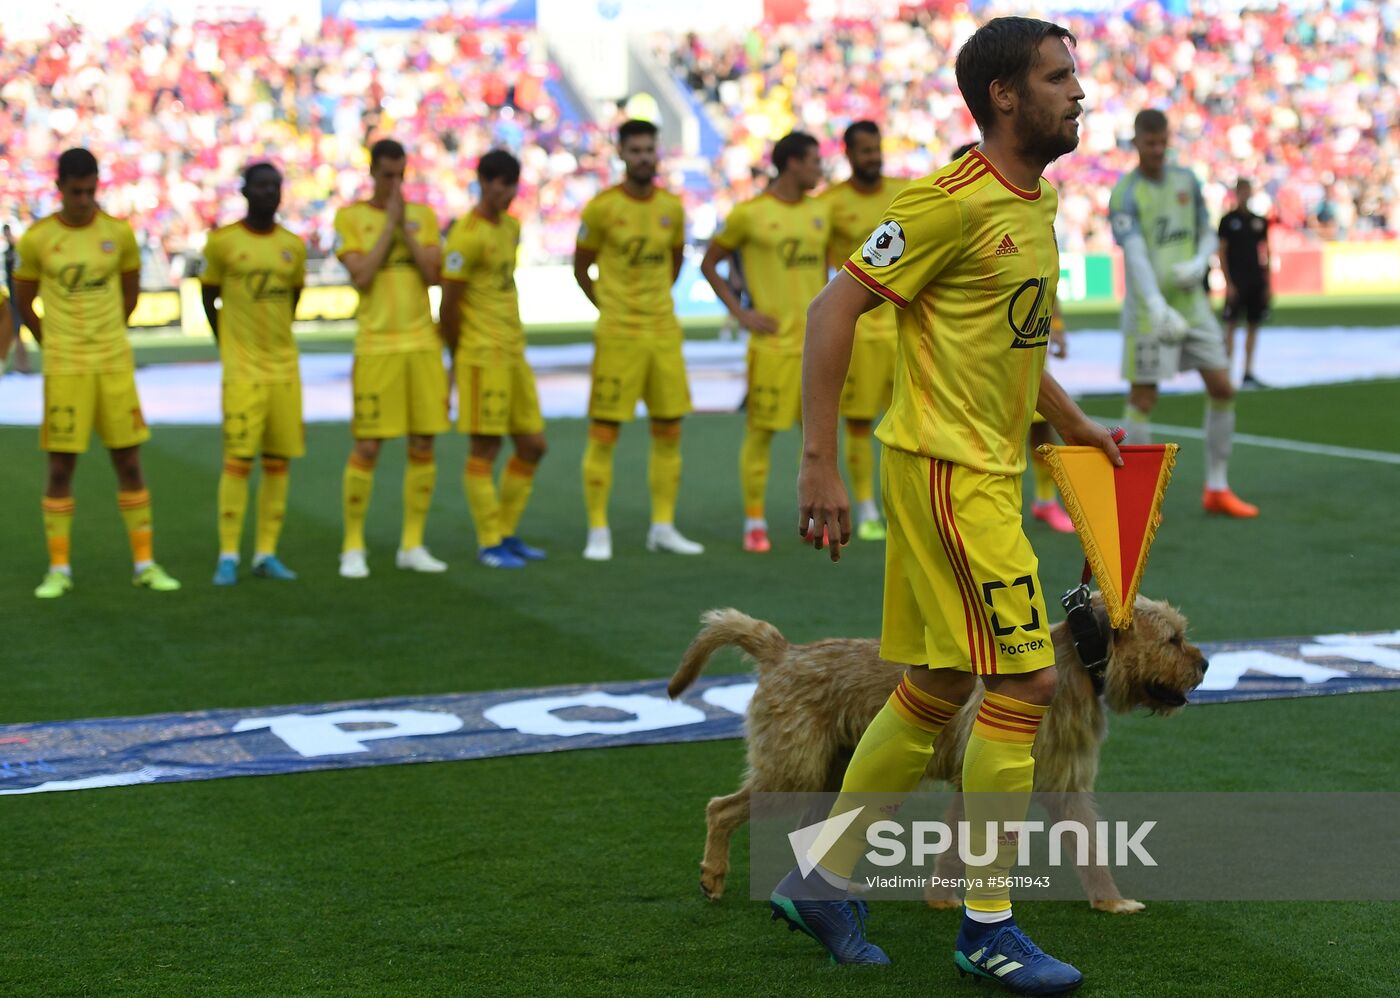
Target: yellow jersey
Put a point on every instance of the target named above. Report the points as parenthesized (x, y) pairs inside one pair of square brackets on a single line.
[(79, 271), (393, 315), (971, 263), (854, 215), (481, 254), (783, 250), (635, 239), (258, 275)]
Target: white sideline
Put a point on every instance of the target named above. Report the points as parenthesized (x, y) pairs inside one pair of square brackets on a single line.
[(1277, 443)]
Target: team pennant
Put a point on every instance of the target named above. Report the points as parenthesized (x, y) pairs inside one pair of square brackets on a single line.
[(1115, 512)]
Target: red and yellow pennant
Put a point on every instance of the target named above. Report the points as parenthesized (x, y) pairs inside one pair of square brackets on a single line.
[(1115, 512)]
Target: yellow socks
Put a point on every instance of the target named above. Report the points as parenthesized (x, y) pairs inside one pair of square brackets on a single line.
[(860, 463), (482, 501), (891, 758), (1044, 481), (58, 529), (272, 505), (356, 487), (517, 482), (136, 514), (233, 502), (998, 772), (598, 472), (419, 478), (664, 471), (753, 470)]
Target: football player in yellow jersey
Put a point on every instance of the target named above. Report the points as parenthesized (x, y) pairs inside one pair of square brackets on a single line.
[(968, 255), (783, 235), (85, 266), (1045, 503), (635, 233), (496, 392), (390, 248), (252, 277), (857, 206)]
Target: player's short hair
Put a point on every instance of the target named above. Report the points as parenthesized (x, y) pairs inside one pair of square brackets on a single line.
[(498, 165), (76, 164), (1005, 49), (633, 127), (253, 169), (1149, 121), (793, 145), (856, 128), (962, 151), (386, 149)]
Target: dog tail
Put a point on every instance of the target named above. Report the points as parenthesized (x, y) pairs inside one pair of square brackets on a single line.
[(761, 640)]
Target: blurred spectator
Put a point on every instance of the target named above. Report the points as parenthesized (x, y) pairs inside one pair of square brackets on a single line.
[(1305, 102)]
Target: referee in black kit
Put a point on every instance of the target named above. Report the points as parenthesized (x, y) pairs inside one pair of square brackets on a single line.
[(1244, 260)]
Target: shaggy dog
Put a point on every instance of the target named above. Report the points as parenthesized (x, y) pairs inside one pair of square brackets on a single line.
[(814, 702)]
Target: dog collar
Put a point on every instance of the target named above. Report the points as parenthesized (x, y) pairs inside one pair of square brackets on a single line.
[(1090, 642)]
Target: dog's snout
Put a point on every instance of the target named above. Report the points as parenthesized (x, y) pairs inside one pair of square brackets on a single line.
[(1205, 664)]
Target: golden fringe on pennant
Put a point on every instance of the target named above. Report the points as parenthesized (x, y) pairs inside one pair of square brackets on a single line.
[(1119, 605)]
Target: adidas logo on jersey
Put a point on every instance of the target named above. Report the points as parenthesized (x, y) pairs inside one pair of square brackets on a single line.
[(1006, 247)]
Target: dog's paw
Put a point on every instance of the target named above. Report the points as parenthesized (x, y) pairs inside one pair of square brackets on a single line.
[(712, 885), (1118, 906)]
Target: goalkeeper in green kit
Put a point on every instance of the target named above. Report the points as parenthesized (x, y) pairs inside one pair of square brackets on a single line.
[(1159, 219)]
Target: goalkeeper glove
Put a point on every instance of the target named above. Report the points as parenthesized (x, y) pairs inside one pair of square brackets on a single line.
[(1188, 274), (1167, 324)]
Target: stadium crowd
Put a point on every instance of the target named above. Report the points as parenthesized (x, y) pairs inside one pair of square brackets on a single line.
[(1304, 103)]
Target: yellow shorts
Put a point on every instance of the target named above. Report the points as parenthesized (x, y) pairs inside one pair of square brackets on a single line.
[(398, 394), (648, 369), (496, 399), (961, 590), (263, 419), (75, 403), (870, 381), (775, 390)]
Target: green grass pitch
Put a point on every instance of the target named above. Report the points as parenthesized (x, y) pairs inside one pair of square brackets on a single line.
[(576, 873)]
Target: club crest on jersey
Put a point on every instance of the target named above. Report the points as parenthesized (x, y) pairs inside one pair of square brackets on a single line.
[(108, 246), (454, 261), (1182, 197), (885, 245), (665, 221), (1028, 314), (286, 256)]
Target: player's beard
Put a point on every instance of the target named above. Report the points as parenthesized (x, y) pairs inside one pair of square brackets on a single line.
[(643, 174), (871, 174), (1048, 138)]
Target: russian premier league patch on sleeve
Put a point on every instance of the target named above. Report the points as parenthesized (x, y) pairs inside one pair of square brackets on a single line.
[(885, 245)]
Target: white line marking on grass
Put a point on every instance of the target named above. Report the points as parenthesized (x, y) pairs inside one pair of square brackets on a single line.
[(1277, 443)]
